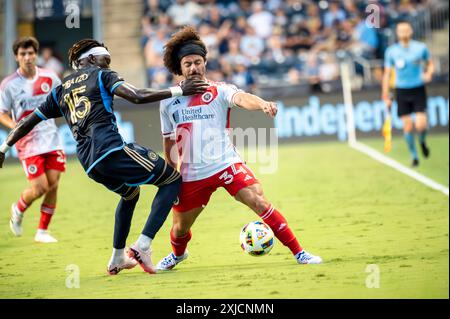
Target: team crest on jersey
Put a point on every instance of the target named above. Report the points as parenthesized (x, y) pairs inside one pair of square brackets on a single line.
[(42, 85), (45, 87), (32, 169), (207, 97), (152, 156)]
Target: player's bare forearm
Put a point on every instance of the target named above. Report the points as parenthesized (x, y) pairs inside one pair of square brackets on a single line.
[(430, 67), (249, 101), (22, 128), (170, 153), (139, 96), (255, 103), (385, 96), (148, 95), (385, 83), (429, 70), (7, 121)]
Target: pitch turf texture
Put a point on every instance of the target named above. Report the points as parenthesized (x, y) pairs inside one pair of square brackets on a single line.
[(343, 205)]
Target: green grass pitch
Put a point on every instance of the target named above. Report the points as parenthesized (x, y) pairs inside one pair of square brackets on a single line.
[(343, 206)]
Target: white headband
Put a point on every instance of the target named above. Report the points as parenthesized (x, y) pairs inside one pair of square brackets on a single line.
[(94, 51)]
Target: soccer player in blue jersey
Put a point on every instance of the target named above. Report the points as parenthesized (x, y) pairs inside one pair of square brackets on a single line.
[(85, 100), (413, 69)]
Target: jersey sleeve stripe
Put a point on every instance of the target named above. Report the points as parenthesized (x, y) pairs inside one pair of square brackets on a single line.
[(54, 96), (117, 84), (106, 98), (39, 113)]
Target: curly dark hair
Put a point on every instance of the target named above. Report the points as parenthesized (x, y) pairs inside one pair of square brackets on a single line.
[(80, 47), (187, 34)]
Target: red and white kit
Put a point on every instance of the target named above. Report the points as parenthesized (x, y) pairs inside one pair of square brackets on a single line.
[(21, 96), (207, 157)]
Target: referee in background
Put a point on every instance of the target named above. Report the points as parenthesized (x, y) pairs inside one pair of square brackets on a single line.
[(413, 69)]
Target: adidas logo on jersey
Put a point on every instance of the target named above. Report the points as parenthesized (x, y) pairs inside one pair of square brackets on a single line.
[(177, 101)]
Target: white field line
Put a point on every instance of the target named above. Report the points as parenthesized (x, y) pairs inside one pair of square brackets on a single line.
[(399, 167)]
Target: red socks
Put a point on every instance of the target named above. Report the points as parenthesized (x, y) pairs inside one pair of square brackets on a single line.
[(179, 244), (47, 212), (280, 228), (270, 216), (22, 205)]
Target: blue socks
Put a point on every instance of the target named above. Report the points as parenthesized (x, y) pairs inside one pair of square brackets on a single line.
[(409, 137), (422, 136)]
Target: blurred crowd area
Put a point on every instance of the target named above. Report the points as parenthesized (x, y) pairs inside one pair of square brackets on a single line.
[(254, 43), (47, 59)]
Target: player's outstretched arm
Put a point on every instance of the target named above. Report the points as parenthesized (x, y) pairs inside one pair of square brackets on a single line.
[(22, 128), (138, 96), (254, 103)]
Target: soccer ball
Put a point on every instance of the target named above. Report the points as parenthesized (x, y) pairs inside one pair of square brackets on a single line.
[(257, 239)]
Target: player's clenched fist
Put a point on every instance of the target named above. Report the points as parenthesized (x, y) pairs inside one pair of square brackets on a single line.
[(270, 108)]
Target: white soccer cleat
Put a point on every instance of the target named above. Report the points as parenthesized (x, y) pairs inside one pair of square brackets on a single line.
[(143, 257), (15, 223), (43, 236), (127, 263), (169, 262), (306, 258)]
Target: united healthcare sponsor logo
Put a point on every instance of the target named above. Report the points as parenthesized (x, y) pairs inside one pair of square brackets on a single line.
[(315, 119), (191, 114), (126, 129)]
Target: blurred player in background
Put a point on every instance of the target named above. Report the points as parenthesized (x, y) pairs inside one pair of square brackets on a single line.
[(407, 58), (40, 151), (191, 123), (85, 100)]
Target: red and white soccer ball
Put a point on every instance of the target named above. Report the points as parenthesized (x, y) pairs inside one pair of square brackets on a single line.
[(257, 239)]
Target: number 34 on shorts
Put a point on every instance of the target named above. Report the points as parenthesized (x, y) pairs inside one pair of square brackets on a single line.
[(229, 174)]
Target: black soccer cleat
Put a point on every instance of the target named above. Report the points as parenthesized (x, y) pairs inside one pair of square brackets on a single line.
[(425, 150), (415, 163)]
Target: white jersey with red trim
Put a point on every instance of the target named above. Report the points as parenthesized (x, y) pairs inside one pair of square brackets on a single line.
[(200, 125), (20, 96)]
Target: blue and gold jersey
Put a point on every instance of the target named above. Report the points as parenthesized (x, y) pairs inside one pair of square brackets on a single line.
[(85, 100)]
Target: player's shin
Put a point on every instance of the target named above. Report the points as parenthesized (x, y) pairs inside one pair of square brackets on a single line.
[(161, 206), (281, 229), (47, 212), (179, 244), (22, 205), (124, 214), (409, 138)]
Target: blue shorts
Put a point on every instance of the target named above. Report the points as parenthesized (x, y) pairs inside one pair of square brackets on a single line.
[(124, 170)]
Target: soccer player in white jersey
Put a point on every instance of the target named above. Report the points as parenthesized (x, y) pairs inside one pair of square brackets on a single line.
[(40, 151), (189, 124)]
